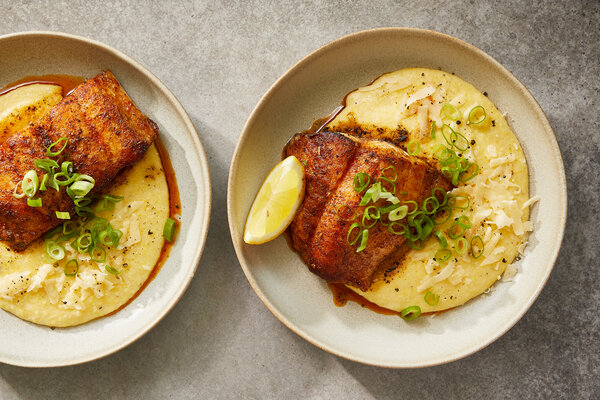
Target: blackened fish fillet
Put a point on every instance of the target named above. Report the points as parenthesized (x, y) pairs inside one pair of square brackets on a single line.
[(106, 133), (318, 232)]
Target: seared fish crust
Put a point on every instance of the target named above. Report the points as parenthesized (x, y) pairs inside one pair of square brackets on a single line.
[(106, 133), (318, 232)]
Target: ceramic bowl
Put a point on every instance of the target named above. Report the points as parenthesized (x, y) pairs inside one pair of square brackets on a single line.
[(312, 89), (39, 53)]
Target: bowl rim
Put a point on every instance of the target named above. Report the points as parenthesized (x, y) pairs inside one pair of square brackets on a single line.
[(207, 194), (287, 76)]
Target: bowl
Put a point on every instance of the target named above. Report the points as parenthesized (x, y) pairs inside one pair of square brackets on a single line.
[(40, 53), (312, 89)]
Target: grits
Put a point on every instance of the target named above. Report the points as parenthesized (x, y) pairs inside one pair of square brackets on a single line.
[(401, 106), (38, 291)]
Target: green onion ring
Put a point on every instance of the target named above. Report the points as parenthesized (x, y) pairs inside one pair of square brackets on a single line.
[(388, 209), (97, 258), (441, 238), (464, 221), (450, 111), (410, 313), (460, 245), (413, 147), (473, 175), (68, 179), (431, 299), (84, 242), (433, 130), (395, 232), (398, 213), (361, 182), (416, 209), (476, 240), (46, 164), (169, 229), (67, 167), (382, 179), (395, 178), (352, 227), (68, 269), (44, 181), (30, 183), (112, 270), (456, 137), (442, 255), (51, 153), (434, 202), (452, 200), (472, 120), (34, 202), (63, 215), (363, 240), (441, 211), (367, 216), (54, 250), (452, 230)]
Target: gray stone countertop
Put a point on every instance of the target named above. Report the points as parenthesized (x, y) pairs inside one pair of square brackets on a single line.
[(220, 341)]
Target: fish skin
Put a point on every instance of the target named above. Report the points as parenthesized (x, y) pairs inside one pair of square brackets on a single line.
[(106, 133), (318, 232)]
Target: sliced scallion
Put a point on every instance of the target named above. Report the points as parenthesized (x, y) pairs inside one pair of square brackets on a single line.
[(413, 147), (34, 202), (442, 255), (52, 152), (364, 237), (72, 267), (476, 116), (169, 229), (477, 246), (54, 250), (410, 313), (63, 215), (431, 299), (450, 112)]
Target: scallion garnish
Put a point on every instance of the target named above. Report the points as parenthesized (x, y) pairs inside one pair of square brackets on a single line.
[(349, 237), (361, 181), (363, 240), (476, 116), (431, 299), (460, 245), (413, 147), (441, 238), (112, 270), (34, 202), (477, 246), (63, 215), (97, 254), (410, 313), (72, 267), (169, 229), (450, 112), (30, 183), (54, 250), (442, 255), (51, 152), (433, 130)]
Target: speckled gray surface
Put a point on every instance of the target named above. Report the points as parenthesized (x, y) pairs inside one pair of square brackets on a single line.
[(220, 341)]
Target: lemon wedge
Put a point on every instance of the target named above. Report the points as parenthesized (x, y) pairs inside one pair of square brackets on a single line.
[(276, 202)]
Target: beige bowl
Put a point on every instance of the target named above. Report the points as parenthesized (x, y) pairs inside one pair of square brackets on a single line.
[(39, 53), (303, 302)]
